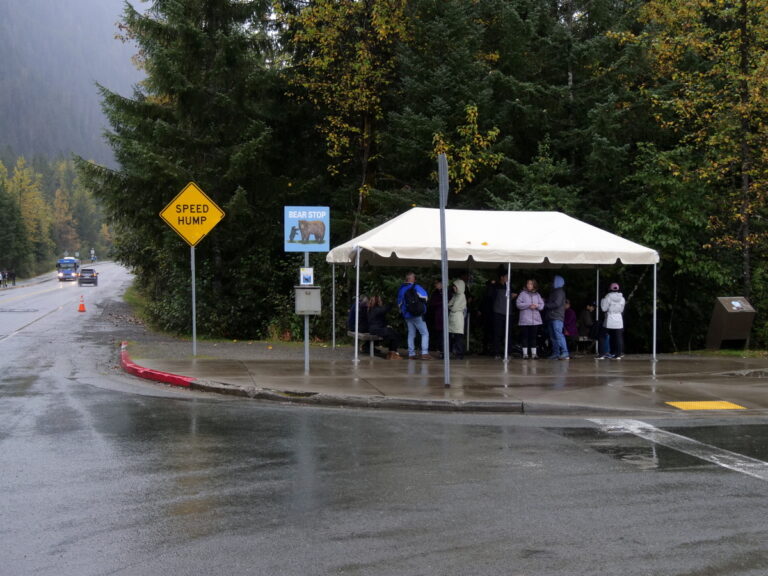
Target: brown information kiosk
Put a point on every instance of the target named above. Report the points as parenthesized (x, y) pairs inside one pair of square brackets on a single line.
[(731, 322)]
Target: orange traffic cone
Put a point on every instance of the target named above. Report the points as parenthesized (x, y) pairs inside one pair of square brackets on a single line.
[(81, 308)]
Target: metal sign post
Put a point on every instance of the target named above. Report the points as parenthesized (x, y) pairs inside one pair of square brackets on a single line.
[(194, 301), (192, 215), (306, 326), (307, 229)]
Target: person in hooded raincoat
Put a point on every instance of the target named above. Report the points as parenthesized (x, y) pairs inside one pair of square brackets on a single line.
[(457, 307), (555, 307), (613, 305)]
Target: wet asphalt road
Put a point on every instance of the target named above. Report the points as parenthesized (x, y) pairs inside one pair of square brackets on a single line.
[(101, 474)]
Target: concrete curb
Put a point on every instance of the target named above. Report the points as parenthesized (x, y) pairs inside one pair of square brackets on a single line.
[(132, 368), (313, 398), (380, 402)]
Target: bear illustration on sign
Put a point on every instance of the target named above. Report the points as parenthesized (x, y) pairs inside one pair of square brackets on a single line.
[(308, 228)]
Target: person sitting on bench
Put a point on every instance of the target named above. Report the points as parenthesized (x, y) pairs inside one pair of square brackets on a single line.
[(377, 325)]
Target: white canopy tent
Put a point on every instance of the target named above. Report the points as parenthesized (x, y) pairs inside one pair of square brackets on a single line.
[(490, 238), (525, 239)]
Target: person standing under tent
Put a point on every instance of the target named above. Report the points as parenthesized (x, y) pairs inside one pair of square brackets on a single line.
[(603, 340), (571, 326), (470, 309), (412, 302), (500, 313), (530, 303), (486, 316), (613, 305), (457, 308), (435, 316), (588, 325), (586, 319), (555, 307)]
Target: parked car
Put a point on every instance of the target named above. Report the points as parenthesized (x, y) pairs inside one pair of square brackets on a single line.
[(88, 276)]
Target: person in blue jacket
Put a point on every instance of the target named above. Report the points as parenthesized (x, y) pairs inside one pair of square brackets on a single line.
[(413, 320)]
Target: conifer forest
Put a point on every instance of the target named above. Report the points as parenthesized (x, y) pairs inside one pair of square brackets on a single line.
[(648, 118)]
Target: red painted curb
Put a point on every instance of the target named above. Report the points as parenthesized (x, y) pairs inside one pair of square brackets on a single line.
[(156, 375)]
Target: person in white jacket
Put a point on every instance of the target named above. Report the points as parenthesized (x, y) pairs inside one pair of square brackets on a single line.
[(612, 305)]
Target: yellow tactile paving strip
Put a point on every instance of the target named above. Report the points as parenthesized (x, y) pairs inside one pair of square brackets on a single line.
[(706, 405)]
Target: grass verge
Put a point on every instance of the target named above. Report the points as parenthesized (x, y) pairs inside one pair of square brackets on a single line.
[(741, 353)]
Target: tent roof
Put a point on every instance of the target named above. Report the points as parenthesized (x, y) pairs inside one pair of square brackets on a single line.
[(526, 239)]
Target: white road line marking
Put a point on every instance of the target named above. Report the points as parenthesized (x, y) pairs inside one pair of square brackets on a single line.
[(28, 324), (725, 458)]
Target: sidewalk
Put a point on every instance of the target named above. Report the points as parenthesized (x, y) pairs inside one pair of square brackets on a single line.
[(275, 371)]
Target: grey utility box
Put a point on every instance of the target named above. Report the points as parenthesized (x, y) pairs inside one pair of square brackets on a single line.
[(731, 322), (308, 300)]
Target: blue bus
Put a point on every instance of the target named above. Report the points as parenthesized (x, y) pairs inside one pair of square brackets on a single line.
[(67, 268)]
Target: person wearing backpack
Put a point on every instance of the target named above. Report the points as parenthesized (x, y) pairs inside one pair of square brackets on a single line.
[(412, 301)]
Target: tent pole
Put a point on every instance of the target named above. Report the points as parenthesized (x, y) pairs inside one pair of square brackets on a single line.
[(506, 320), (653, 340), (467, 315), (333, 306), (597, 297), (357, 301)]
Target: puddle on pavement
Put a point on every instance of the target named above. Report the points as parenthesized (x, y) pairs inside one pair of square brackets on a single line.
[(17, 386), (747, 440), (632, 450)]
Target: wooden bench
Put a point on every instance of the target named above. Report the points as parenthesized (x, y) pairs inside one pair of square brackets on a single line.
[(366, 337)]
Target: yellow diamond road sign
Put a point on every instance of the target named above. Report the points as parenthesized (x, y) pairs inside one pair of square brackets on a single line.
[(192, 214)]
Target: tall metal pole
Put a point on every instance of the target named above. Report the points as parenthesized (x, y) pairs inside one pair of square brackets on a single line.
[(506, 320), (333, 306), (194, 302), (442, 170), (597, 296), (306, 326), (654, 315), (357, 300), (467, 315), (598, 345)]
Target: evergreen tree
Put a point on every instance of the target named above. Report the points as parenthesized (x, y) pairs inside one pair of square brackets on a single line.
[(439, 75), (199, 116), (25, 186), (64, 225), (709, 86), (15, 248), (344, 66)]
